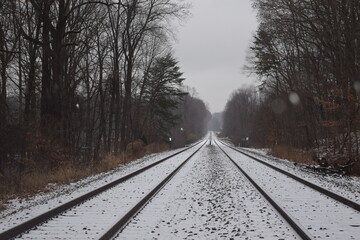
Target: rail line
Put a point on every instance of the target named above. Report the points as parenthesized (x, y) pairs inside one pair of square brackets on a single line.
[(128, 211), (324, 191), (34, 222), (318, 212), (118, 226), (303, 233)]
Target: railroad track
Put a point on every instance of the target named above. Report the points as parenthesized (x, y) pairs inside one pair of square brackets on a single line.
[(119, 225), (324, 191), (342, 219), (37, 223), (110, 211)]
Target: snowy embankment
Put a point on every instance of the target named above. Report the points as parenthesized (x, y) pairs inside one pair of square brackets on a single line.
[(20, 210), (95, 216), (348, 187), (321, 216)]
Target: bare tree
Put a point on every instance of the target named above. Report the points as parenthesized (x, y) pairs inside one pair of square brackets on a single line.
[(310, 48)]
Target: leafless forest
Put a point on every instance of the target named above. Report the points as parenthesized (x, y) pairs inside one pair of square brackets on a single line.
[(306, 54), (82, 80)]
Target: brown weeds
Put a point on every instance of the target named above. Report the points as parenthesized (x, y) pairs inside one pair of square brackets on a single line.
[(110, 162), (292, 154), (2, 207), (36, 179), (355, 169), (156, 147)]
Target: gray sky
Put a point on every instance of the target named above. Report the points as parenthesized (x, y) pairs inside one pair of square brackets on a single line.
[(212, 46)]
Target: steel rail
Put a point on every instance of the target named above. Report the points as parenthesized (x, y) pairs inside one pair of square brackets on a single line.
[(28, 225), (299, 229), (324, 191), (122, 223)]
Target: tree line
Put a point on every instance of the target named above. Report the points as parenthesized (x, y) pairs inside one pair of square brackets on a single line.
[(306, 54), (86, 78)]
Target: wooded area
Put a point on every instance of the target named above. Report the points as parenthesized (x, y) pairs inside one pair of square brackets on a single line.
[(82, 79), (307, 56)]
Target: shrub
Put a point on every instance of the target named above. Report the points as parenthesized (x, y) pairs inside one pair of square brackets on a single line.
[(295, 155)]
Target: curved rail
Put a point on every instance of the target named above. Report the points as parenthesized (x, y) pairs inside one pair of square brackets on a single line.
[(324, 191), (28, 225), (303, 233), (121, 224)]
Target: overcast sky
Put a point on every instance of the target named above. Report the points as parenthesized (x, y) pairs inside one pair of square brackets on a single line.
[(212, 46)]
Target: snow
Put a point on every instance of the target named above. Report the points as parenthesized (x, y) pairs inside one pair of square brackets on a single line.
[(321, 216), (90, 219), (208, 199), (348, 187), (20, 210)]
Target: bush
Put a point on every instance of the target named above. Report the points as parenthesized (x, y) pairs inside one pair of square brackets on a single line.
[(135, 149), (295, 155), (156, 147), (191, 137)]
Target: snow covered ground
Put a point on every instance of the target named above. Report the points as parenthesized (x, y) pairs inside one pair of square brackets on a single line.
[(207, 199), (20, 210), (90, 219), (348, 187), (320, 215)]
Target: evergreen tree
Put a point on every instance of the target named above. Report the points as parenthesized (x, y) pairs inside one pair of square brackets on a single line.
[(163, 95)]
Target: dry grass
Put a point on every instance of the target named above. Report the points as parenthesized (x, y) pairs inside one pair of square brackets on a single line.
[(2, 207), (37, 180), (295, 155), (301, 156), (110, 162), (156, 147), (355, 169)]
